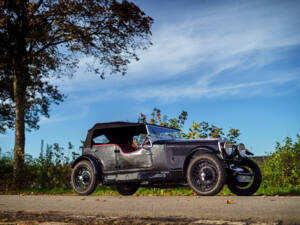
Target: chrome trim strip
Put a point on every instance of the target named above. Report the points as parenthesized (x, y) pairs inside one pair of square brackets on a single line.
[(149, 136), (220, 149)]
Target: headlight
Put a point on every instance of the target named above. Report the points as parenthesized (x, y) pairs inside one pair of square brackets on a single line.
[(228, 148), (242, 149)]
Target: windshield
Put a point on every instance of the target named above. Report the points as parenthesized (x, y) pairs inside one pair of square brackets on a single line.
[(159, 133)]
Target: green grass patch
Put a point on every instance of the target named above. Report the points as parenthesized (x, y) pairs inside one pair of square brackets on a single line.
[(53, 191), (142, 191), (271, 191)]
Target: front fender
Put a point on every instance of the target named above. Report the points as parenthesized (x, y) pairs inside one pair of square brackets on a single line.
[(96, 165), (196, 151)]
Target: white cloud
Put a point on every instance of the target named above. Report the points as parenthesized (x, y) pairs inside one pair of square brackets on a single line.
[(59, 117), (205, 42), (223, 33), (198, 90)]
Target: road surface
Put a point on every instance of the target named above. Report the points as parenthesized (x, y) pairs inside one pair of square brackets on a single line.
[(185, 209)]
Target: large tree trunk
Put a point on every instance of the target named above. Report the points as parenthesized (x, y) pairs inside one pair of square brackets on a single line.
[(19, 99), (19, 61)]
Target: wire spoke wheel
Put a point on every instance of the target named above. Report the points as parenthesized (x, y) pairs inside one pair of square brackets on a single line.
[(206, 174), (246, 188), (83, 178), (127, 188)]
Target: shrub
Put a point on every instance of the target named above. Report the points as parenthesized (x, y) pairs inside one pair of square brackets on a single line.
[(51, 169), (282, 168), (6, 170)]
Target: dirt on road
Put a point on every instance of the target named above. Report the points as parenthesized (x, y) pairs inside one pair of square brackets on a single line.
[(33, 209)]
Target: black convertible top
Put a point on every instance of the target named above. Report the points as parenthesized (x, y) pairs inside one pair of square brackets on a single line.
[(116, 132), (99, 126)]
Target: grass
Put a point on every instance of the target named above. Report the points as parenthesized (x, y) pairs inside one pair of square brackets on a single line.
[(183, 191)]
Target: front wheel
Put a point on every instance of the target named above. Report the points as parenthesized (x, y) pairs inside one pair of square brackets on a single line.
[(246, 188), (83, 178), (206, 174), (127, 188)]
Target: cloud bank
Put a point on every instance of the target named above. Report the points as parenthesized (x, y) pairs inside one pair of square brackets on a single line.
[(224, 50)]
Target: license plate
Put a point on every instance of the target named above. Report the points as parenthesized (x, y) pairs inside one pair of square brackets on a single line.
[(243, 179)]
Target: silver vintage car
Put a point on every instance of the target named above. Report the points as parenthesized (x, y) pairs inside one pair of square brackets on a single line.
[(130, 155)]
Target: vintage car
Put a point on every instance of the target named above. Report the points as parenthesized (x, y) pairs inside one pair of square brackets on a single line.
[(129, 155)]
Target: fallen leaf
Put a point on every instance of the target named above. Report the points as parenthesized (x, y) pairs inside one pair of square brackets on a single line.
[(229, 201), (82, 199)]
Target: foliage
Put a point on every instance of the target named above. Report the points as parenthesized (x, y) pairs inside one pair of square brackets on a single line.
[(6, 170), (282, 168), (41, 40), (50, 170), (196, 130), (156, 119)]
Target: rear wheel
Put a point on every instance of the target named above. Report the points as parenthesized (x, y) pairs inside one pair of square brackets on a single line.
[(246, 188), (127, 188), (83, 178), (206, 174)]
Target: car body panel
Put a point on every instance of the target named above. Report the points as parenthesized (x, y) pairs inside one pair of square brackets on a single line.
[(158, 160), (132, 154)]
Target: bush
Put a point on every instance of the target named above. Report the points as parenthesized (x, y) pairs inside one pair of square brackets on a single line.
[(6, 171), (51, 170), (282, 168)]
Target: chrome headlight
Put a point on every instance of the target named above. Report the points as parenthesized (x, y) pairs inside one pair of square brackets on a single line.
[(242, 149), (228, 148)]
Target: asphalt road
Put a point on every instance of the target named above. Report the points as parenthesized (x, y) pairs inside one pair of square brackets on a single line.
[(254, 209)]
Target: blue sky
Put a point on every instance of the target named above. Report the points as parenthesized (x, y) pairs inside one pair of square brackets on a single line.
[(235, 64)]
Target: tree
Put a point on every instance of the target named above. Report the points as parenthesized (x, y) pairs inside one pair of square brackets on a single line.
[(43, 39), (196, 130), (165, 122)]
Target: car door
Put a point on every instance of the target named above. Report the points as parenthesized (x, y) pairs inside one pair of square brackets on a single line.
[(140, 158), (106, 155)]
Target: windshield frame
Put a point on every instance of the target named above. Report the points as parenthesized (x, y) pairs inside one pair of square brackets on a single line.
[(153, 137)]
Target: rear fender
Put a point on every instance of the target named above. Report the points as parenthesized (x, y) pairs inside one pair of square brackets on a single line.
[(96, 165)]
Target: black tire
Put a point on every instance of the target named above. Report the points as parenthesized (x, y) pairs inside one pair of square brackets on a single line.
[(127, 188), (246, 189), (206, 174), (83, 178)]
